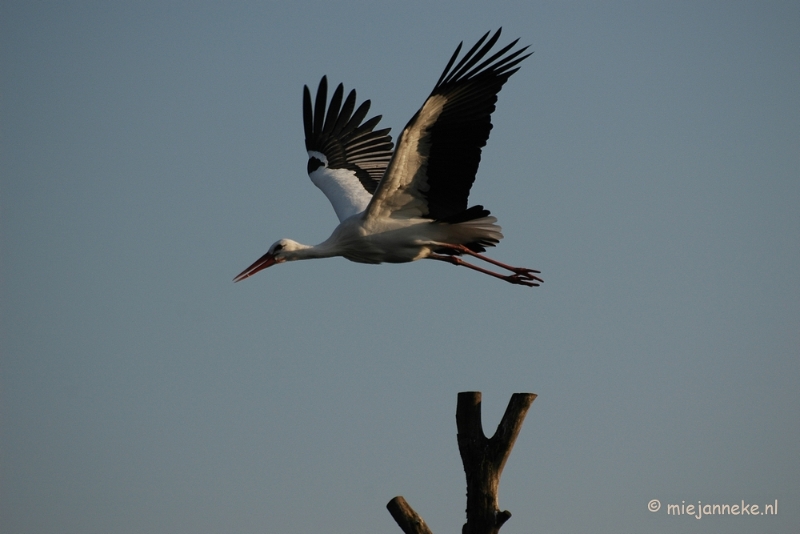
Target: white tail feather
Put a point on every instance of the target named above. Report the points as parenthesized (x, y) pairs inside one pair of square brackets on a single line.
[(482, 229)]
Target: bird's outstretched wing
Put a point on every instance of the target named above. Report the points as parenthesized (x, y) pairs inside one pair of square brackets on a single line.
[(346, 159), (439, 150)]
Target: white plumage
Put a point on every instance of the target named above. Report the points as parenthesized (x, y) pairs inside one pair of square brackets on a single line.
[(411, 203)]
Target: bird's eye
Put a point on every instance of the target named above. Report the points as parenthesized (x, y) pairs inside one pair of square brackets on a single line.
[(277, 248)]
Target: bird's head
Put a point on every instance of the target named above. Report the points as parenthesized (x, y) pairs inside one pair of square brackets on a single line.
[(279, 252)]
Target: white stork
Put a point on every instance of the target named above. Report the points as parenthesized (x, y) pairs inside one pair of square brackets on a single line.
[(408, 204)]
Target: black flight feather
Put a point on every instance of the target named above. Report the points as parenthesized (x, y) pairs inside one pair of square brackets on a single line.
[(342, 138), (463, 126)]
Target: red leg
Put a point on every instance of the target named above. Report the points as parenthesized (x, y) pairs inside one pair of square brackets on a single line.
[(523, 272), (517, 278)]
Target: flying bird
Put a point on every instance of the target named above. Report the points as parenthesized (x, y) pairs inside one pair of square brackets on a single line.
[(403, 205)]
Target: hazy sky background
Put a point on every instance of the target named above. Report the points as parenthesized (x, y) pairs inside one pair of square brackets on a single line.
[(646, 159)]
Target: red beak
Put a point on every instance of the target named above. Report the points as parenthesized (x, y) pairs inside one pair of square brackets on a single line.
[(267, 260)]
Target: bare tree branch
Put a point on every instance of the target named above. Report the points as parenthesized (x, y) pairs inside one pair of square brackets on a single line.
[(410, 521), (483, 458)]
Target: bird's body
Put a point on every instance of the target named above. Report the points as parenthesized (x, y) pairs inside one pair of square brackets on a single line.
[(411, 203), (389, 239)]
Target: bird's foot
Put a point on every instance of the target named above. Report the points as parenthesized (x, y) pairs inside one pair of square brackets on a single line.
[(525, 273), (523, 279), (522, 276), (520, 273)]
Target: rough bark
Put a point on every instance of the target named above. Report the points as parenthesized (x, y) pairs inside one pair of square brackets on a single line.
[(410, 522), (483, 458)]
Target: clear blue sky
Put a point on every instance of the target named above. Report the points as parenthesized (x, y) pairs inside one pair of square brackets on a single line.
[(646, 159)]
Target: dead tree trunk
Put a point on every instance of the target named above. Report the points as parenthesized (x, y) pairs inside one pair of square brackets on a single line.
[(483, 459)]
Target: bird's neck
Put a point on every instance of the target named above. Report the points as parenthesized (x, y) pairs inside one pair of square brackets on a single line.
[(309, 252)]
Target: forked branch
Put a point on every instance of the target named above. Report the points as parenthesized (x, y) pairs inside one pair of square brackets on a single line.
[(483, 458)]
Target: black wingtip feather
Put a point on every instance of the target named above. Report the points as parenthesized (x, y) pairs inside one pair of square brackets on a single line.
[(469, 54), (333, 109), (319, 105), (449, 63), (468, 61), (497, 64), (345, 113), (469, 86), (340, 135)]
